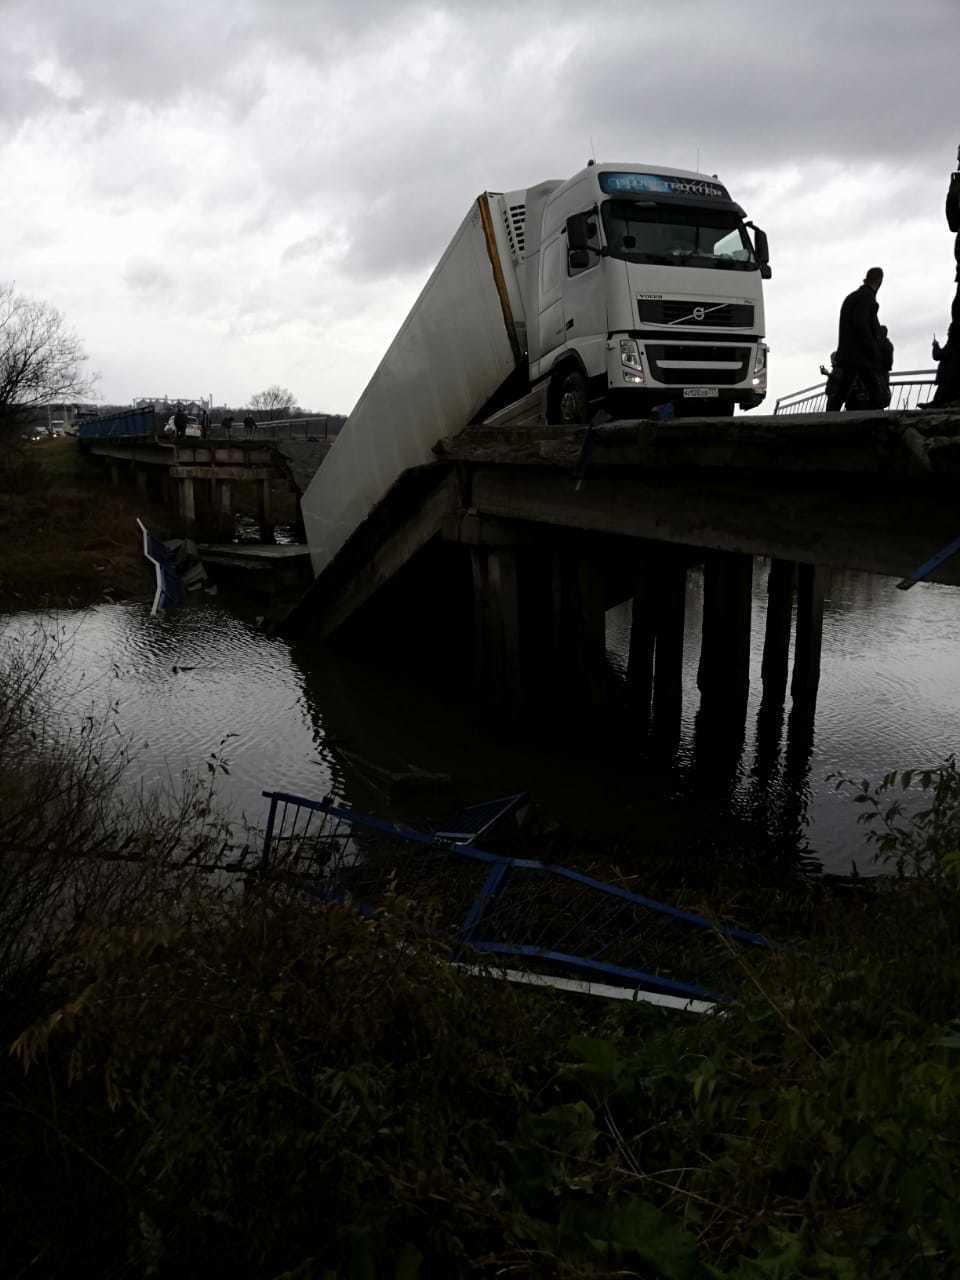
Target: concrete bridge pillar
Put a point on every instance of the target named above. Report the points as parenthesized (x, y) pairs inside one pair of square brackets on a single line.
[(140, 479), (655, 663), (188, 508), (578, 630), (264, 513), (724, 672), (496, 615), (776, 639), (813, 582)]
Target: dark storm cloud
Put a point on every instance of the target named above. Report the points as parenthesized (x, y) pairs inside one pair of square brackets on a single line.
[(758, 83), (764, 85)]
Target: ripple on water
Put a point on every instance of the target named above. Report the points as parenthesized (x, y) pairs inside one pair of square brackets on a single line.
[(889, 698)]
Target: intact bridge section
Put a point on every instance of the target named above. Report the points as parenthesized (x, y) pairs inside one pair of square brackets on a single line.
[(196, 476)]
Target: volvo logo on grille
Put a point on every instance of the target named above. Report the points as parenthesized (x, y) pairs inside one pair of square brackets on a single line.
[(698, 313)]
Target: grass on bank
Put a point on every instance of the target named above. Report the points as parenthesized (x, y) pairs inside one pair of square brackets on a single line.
[(67, 537), (201, 1083)]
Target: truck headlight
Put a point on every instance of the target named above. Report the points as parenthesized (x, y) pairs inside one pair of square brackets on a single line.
[(630, 361)]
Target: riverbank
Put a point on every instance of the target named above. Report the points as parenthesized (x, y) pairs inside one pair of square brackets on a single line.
[(67, 538), (204, 1082)]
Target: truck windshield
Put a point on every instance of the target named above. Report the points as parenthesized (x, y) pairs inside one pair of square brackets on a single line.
[(682, 236)]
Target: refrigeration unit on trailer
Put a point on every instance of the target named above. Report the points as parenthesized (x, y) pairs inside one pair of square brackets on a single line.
[(627, 287)]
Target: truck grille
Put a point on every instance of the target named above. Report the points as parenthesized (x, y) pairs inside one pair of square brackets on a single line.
[(700, 358), (733, 315)]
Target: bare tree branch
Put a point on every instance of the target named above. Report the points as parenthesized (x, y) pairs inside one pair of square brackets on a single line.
[(275, 398), (41, 359)]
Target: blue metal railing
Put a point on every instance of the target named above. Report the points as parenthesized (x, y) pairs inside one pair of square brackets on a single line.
[(906, 389), (531, 911), (117, 426)]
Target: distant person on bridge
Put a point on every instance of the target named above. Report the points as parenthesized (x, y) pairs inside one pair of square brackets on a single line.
[(227, 423), (180, 422), (861, 355), (250, 423)]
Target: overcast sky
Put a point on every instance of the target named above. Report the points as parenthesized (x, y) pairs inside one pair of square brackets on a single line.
[(223, 194)]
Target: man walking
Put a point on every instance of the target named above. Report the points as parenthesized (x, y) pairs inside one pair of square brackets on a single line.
[(860, 347)]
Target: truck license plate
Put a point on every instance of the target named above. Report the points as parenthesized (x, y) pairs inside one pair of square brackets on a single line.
[(699, 393)]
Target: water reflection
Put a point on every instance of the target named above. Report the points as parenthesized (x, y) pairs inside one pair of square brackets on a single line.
[(748, 781)]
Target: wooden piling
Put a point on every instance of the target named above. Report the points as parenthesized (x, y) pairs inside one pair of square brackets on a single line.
[(776, 639), (813, 581), (724, 671)]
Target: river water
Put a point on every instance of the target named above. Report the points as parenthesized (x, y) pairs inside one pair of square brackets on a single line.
[(305, 719)]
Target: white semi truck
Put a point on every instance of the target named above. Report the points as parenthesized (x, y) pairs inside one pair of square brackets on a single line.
[(627, 287)]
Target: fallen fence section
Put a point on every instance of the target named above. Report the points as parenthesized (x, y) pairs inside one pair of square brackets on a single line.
[(604, 990), (546, 920)]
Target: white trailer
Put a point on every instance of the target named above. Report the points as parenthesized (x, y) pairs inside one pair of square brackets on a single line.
[(632, 287)]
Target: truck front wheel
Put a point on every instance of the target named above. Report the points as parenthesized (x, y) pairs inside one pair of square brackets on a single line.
[(571, 399)]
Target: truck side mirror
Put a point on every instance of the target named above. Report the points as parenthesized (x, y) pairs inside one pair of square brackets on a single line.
[(578, 259), (578, 236), (761, 247)]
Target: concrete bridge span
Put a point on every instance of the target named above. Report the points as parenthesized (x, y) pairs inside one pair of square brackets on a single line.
[(522, 537)]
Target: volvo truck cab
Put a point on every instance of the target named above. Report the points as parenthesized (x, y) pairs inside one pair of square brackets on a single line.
[(642, 288)]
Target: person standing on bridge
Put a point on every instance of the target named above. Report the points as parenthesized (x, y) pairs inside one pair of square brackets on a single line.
[(180, 421), (861, 355), (953, 215)]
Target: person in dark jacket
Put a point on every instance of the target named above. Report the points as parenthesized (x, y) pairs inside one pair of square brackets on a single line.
[(886, 367), (180, 422), (948, 367), (834, 388), (860, 353), (953, 215)]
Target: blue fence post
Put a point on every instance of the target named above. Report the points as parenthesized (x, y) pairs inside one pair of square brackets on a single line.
[(490, 886), (268, 835)]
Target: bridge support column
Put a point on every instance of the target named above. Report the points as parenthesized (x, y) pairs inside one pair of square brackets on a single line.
[(724, 672), (813, 581), (643, 641), (497, 626), (140, 479), (776, 639), (671, 617), (264, 516), (187, 505), (655, 663), (579, 629), (223, 500), (115, 474)]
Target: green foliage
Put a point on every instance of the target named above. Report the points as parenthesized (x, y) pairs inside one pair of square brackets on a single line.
[(252, 1085), (918, 839)]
